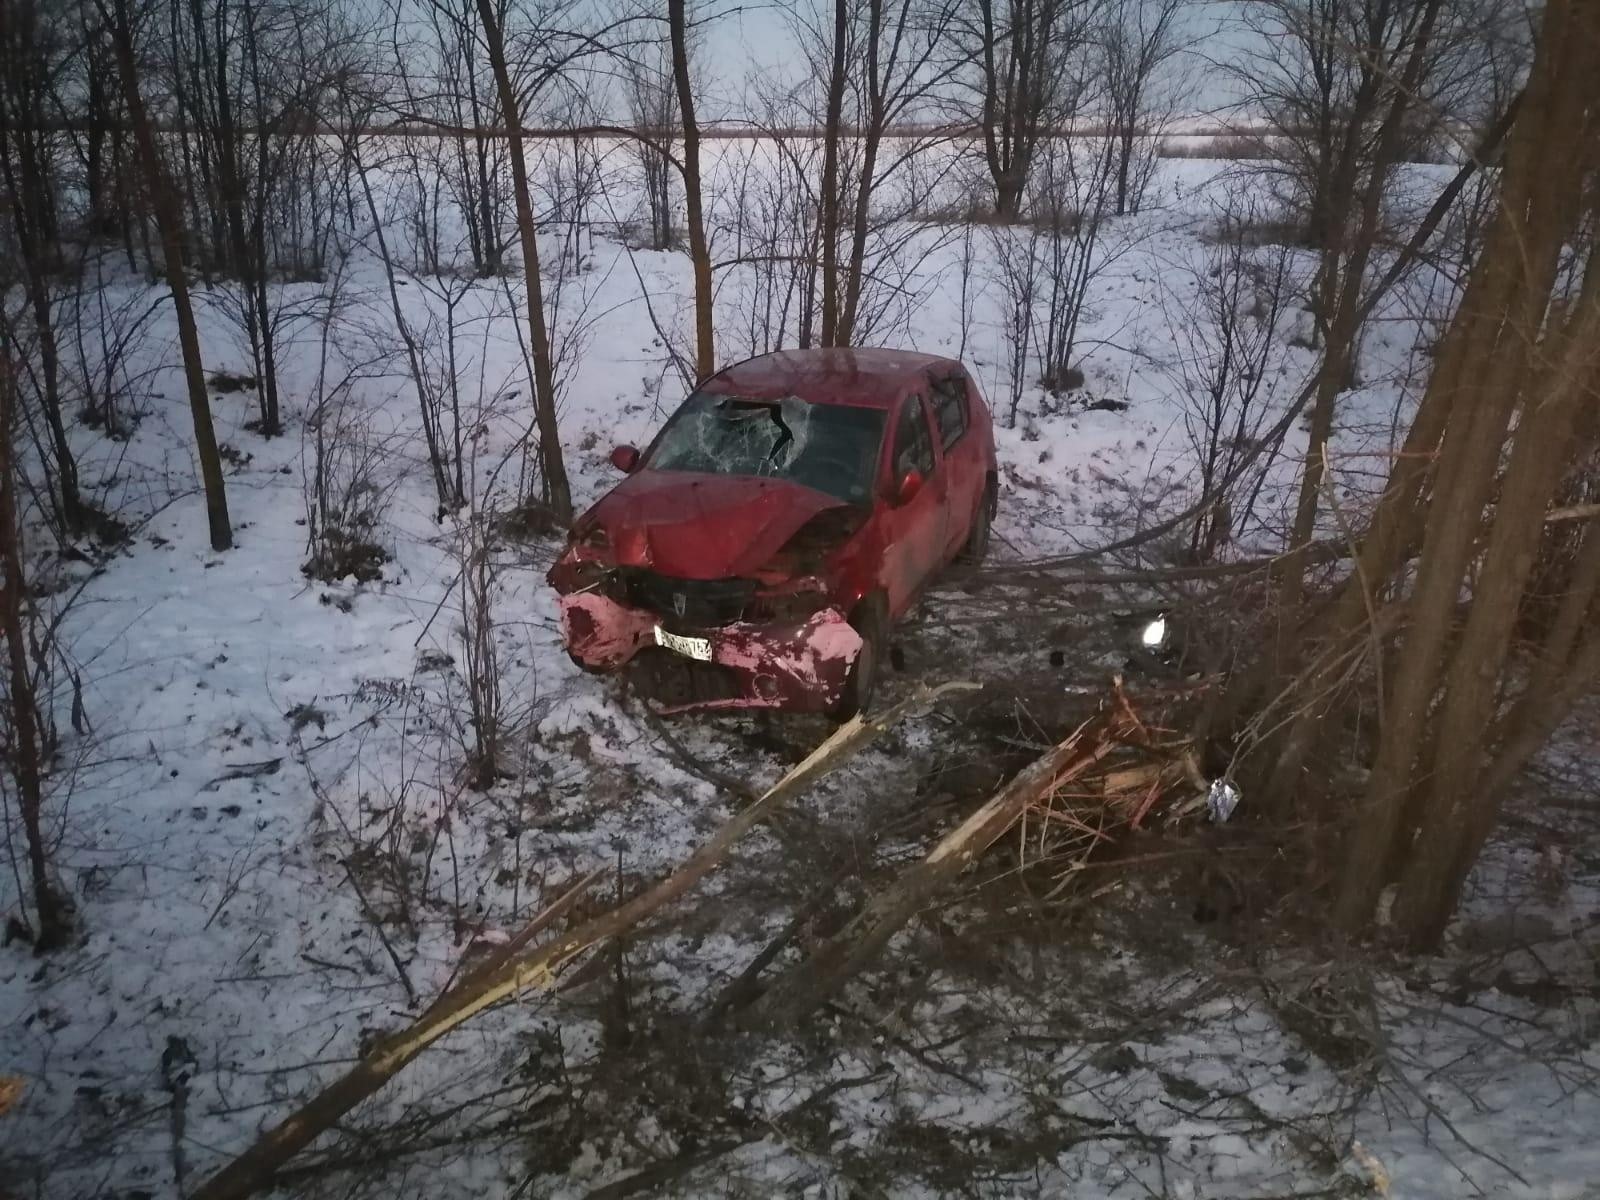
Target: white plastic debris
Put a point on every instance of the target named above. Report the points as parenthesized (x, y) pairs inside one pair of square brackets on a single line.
[(1221, 800)]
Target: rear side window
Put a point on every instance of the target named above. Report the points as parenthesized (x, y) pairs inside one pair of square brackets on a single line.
[(913, 448), (950, 406)]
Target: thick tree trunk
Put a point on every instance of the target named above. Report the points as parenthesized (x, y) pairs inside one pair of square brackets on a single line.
[(1492, 339), (1458, 814), (1394, 526), (705, 351), (170, 220), (558, 490)]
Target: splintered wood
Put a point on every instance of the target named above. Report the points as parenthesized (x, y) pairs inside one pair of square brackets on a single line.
[(1063, 813), (1143, 782)]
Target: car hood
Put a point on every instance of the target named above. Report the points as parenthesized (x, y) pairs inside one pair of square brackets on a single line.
[(694, 526)]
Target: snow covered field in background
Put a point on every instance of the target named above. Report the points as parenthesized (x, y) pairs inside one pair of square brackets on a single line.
[(274, 853)]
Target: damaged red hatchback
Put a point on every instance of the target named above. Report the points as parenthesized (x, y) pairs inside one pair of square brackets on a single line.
[(783, 518)]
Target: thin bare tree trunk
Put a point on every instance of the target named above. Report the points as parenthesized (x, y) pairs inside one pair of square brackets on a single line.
[(27, 747), (557, 490), (828, 200), (1343, 272), (705, 350), (169, 218)]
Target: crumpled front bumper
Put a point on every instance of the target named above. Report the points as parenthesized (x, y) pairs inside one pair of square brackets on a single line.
[(798, 665)]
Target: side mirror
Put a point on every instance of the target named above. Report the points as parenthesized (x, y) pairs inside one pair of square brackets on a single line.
[(625, 459), (910, 485)]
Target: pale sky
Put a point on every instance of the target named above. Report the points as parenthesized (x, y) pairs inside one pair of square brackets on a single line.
[(758, 39)]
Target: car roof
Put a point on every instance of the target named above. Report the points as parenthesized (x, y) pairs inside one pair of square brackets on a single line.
[(838, 375)]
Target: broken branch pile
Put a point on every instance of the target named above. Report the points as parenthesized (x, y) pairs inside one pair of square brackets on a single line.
[(1142, 782), (1110, 776)]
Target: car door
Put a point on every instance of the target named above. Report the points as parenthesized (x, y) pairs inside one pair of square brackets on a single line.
[(914, 531), (963, 463)]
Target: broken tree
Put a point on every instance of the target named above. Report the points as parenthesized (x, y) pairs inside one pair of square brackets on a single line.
[(522, 969), (812, 981)]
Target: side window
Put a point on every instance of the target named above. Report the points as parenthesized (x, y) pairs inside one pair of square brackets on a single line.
[(913, 448), (950, 406)]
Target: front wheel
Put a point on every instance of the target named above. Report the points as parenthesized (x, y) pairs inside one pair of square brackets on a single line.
[(978, 536), (869, 622)]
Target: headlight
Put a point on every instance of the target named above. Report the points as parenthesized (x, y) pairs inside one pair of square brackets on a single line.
[(1154, 635)]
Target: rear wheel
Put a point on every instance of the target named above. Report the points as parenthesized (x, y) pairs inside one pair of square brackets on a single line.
[(978, 537), (870, 622)]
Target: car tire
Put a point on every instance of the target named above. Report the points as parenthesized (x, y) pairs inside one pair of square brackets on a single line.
[(869, 621), (977, 546)]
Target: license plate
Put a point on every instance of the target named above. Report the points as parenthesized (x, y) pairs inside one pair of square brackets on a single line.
[(689, 647)]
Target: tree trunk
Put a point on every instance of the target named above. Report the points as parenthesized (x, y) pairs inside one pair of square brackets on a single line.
[(1459, 815), (170, 221), (828, 212), (1492, 338), (27, 744), (558, 490), (705, 351)]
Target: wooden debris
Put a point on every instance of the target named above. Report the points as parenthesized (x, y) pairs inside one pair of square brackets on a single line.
[(801, 989), (10, 1093)]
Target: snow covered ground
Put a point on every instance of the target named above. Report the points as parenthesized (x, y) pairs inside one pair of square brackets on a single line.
[(275, 853)]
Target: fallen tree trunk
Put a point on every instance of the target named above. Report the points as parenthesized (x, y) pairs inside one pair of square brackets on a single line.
[(811, 982), (534, 968)]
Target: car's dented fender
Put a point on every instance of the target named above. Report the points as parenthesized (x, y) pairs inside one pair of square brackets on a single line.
[(806, 658), (601, 634), (784, 662)]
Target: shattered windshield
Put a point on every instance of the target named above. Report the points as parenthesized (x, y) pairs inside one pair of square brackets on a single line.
[(830, 447)]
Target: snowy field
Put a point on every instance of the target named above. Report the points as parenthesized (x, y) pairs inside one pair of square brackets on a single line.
[(275, 854)]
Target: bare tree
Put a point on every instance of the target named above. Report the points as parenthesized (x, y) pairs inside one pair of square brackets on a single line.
[(470, 103), (694, 215), (1226, 320), (1073, 192), (1028, 83), (652, 97), (33, 54), (558, 492), (1504, 419), (772, 229), (881, 59), (1018, 255), (1344, 88), (348, 469), (27, 727), (169, 217), (1140, 44)]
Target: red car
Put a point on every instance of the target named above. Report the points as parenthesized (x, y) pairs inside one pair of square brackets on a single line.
[(783, 518)]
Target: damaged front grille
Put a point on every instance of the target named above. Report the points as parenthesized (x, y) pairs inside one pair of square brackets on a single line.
[(685, 603), (676, 682)]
